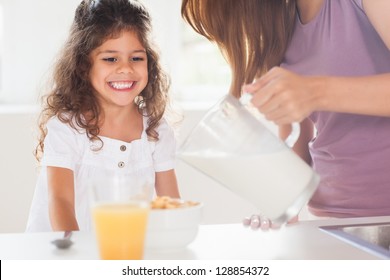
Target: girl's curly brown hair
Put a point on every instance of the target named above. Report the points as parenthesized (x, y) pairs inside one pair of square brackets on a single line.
[(71, 97)]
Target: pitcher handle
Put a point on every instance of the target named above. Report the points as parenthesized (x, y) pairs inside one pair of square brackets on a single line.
[(294, 135), (290, 141)]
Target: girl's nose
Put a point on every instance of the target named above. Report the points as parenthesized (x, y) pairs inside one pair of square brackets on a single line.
[(125, 68)]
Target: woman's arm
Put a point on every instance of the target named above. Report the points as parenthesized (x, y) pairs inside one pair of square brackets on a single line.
[(166, 184), (369, 95), (285, 97), (378, 13), (61, 199)]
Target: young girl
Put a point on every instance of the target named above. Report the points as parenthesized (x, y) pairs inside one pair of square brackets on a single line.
[(325, 64), (103, 115)]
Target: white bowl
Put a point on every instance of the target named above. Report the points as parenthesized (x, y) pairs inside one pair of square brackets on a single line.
[(173, 228)]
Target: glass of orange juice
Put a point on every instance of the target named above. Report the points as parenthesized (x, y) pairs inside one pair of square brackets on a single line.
[(120, 208)]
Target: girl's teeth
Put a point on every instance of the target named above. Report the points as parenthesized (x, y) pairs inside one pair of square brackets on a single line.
[(121, 85)]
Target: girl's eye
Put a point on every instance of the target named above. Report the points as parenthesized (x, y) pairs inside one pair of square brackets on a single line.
[(137, 59), (110, 59)]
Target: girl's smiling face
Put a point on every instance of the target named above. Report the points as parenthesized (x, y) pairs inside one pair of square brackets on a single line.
[(119, 70)]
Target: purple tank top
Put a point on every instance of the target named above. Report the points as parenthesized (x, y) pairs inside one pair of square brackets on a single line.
[(351, 153)]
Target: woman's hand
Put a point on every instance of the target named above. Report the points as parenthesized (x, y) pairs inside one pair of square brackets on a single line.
[(256, 222), (284, 97)]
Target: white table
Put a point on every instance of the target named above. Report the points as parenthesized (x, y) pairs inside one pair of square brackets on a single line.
[(303, 241)]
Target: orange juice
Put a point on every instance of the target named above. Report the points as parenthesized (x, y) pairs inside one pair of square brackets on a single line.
[(120, 230)]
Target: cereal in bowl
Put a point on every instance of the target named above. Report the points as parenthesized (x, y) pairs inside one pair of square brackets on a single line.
[(166, 202)]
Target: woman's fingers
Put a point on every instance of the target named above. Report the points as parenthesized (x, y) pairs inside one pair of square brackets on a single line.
[(257, 222), (246, 222), (282, 96)]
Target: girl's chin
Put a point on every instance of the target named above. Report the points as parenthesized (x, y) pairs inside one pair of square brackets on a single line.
[(119, 99), (121, 102), (125, 104)]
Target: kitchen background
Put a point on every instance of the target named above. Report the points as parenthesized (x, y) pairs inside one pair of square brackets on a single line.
[(31, 33)]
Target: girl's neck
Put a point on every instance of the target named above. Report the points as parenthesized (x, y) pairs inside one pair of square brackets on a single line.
[(124, 125)]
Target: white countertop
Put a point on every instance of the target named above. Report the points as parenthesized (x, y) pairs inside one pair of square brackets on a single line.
[(303, 241)]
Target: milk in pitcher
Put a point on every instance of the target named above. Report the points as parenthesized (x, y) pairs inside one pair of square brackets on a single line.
[(266, 180)]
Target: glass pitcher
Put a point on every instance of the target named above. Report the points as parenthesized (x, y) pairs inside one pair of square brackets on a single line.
[(233, 144)]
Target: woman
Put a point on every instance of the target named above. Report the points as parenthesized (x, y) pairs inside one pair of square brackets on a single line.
[(325, 64)]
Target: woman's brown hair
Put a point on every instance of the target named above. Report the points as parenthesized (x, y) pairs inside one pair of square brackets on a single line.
[(253, 35), (71, 96)]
